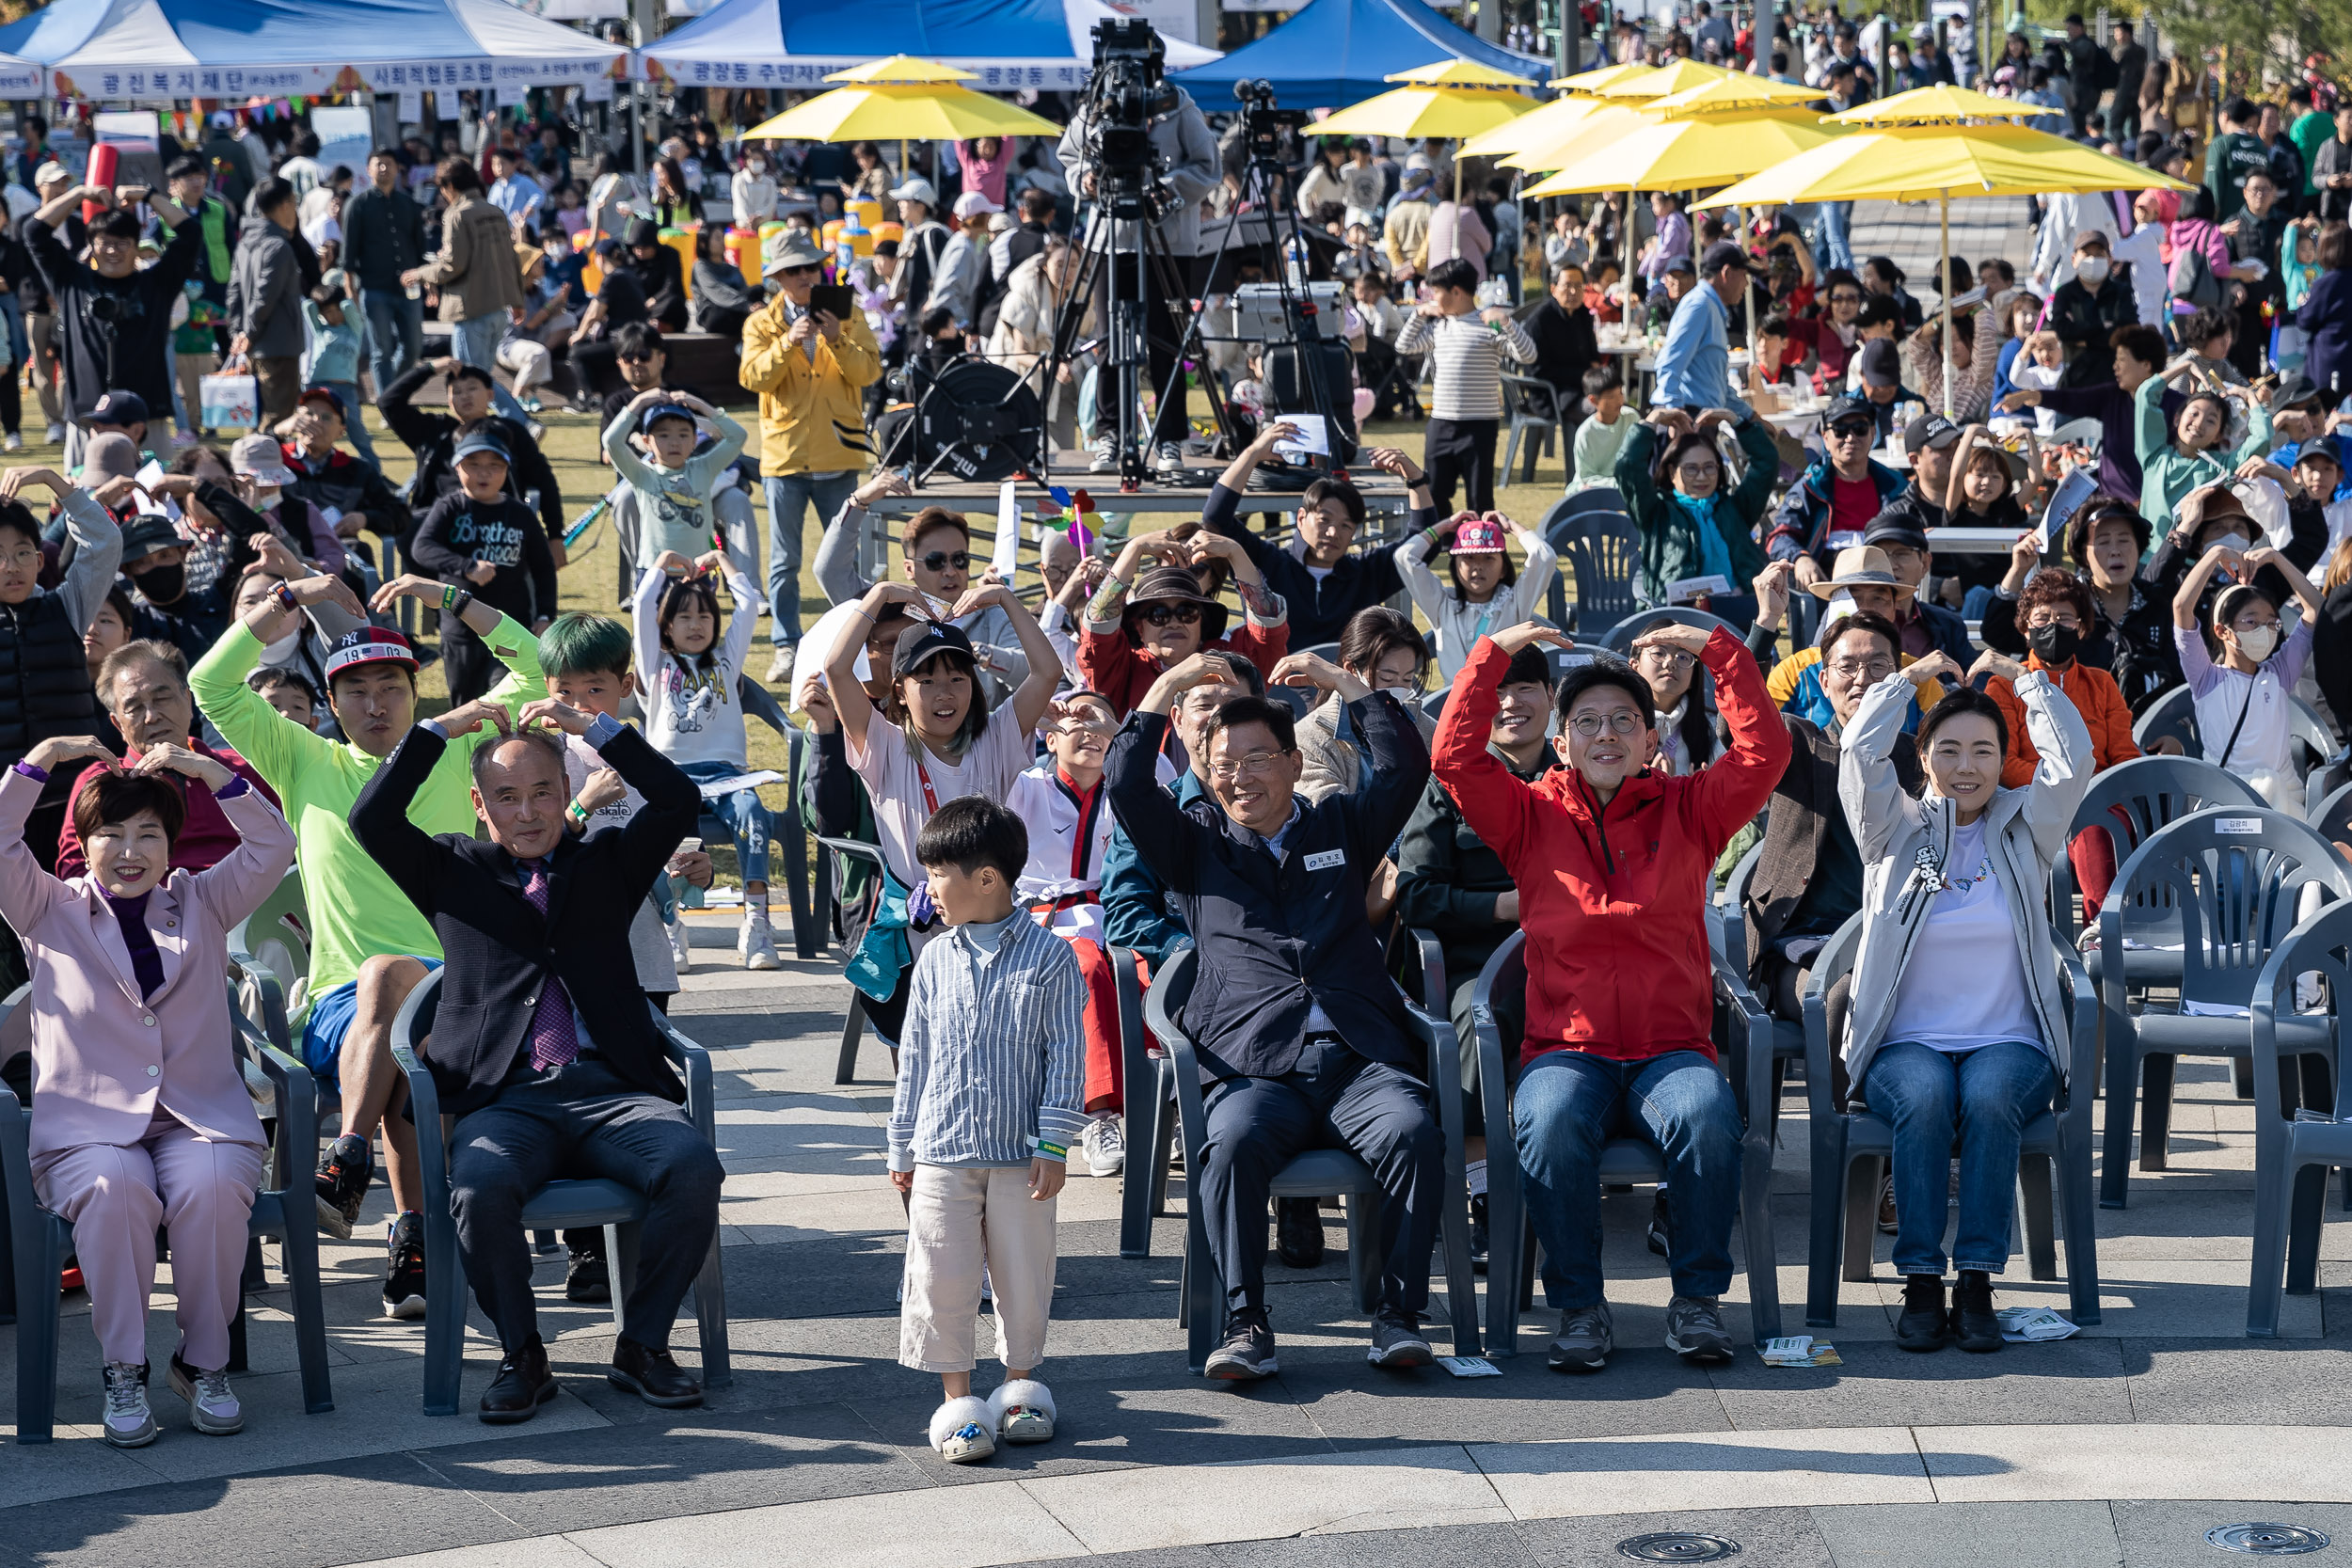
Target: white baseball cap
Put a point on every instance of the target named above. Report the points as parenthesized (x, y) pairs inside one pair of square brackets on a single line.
[(973, 204), (916, 189)]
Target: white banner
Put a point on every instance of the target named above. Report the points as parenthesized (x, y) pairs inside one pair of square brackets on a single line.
[(411, 106), (987, 76), (346, 133), (143, 83)]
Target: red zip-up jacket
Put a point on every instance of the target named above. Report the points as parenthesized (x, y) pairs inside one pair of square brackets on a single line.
[(1612, 899)]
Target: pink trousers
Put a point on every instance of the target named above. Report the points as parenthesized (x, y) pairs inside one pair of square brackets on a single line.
[(116, 1195)]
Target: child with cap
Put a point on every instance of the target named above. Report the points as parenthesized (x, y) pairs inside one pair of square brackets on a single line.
[(346, 493), (1483, 591), (673, 482), (484, 544)]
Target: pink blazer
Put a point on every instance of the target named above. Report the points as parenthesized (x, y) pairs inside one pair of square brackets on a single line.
[(108, 1060)]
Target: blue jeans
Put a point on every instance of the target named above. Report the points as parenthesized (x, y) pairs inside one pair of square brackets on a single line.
[(357, 426), (745, 816), (1989, 1094), (1836, 243), (395, 332), (1569, 1104), (789, 499), (475, 341)]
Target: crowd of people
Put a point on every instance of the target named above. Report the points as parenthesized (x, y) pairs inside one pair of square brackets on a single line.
[(1211, 737)]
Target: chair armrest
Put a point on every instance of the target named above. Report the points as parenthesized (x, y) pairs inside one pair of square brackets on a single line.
[(2082, 1046), (1493, 1083), (1432, 956), (696, 1063), (16, 1182), (1751, 1071), (1190, 1114), (294, 1092), (424, 1098), (268, 993), (1835, 959), (856, 850)]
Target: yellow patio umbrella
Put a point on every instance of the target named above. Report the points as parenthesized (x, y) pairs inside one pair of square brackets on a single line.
[(1664, 82), (1607, 124), (905, 99), (1593, 80), (1936, 105), (1455, 98), (1736, 91), (1917, 162)]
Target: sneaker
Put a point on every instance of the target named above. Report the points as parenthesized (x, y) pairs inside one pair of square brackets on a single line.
[(1298, 1231), (756, 943), (1247, 1353), (1168, 458), (403, 1268), (1105, 1147), (127, 1423), (532, 405), (1887, 1206), (780, 667), (1396, 1342), (1106, 455), (1655, 1236), (343, 1172), (1922, 1325), (1584, 1340), (681, 948), (16, 443), (53, 436), (1972, 1322), (586, 1280), (538, 432), (213, 1407), (179, 439), (1480, 1241), (1696, 1331)]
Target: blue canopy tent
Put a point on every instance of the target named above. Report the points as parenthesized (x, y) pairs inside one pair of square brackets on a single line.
[(1335, 53), (149, 50), (1006, 44)]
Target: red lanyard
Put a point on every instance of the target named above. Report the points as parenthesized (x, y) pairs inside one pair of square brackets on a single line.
[(1089, 805), (930, 796)]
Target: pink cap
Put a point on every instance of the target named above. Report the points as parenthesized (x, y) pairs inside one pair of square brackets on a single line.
[(1478, 536)]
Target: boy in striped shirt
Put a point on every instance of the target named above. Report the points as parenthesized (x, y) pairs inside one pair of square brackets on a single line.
[(990, 1076), (1468, 347)]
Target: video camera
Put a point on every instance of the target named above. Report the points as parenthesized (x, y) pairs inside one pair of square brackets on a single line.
[(1128, 89), (1263, 124)]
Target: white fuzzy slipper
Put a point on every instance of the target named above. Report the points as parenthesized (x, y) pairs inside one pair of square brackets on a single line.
[(963, 1431), (1022, 1411)]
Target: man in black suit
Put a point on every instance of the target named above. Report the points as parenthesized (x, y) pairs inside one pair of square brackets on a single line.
[(1567, 344), (535, 931), (1302, 1035)]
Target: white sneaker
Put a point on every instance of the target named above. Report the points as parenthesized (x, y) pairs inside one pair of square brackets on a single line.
[(681, 948), (14, 442), (213, 1407), (1105, 1145), (780, 667), (53, 436), (756, 943), (1106, 458), (128, 1424)]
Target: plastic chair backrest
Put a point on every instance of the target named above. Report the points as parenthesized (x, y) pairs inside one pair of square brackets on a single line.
[(1619, 638), (1505, 972), (1164, 1000), (1324, 650), (761, 703), (1606, 555), (2332, 817), (2173, 714), (2231, 878), (2305, 724), (2132, 800), (1294, 697), (1601, 499), (1433, 705)]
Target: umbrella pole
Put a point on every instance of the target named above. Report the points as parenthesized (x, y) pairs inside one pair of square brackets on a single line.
[(1943, 267), (1747, 293)]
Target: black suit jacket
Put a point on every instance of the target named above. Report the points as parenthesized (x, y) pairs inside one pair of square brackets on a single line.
[(499, 951), (1277, 937), (1565, 347)]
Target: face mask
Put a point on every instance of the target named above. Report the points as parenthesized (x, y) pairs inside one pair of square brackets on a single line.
[(1402, 693), (2092, 270), (161, 584), (2237, 542), (264, 498), (283, 649), (2055, 644), (2256, 644)]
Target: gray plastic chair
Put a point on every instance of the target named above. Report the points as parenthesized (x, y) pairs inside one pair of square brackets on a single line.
[(1849, 1145), (1731, 906), (1149, 1088), (1619, 638), (2292, 1157), (38, 1241), (1511, 1239), (2132, 800), (1592, 533), (1317, 1173), (2332, 814), (2173, 715), (833, 858), (1531, 411), (562, 1205), (2225, 884)]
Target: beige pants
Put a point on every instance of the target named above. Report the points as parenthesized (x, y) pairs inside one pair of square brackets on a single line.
[(960, 1216)]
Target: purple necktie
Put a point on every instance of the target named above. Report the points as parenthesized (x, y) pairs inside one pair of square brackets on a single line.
[(555, 1033)]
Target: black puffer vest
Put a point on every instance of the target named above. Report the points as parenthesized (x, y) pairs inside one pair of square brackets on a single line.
[(44, 680)]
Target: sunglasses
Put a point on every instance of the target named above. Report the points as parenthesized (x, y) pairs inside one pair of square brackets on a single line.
[(1166, 614), (939, 560), (799, 272), (1852, 430)]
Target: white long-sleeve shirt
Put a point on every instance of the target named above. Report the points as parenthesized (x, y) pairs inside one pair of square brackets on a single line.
[(1459, 624), (693, 713)]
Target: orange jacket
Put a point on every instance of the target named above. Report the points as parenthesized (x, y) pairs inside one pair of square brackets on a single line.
[(2095, 696)]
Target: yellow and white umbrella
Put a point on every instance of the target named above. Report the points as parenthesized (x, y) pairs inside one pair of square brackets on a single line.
[(902, 99), (1455, 98)]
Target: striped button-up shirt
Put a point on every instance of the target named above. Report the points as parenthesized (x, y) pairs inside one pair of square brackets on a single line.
[(991, 1064)]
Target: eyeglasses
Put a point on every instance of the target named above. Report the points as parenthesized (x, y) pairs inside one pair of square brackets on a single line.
[(1620, 722), (1862, 669), (1699, 471), (1674, 658), (634, 358), (1257, 765), (1164, 615), (939, 560)]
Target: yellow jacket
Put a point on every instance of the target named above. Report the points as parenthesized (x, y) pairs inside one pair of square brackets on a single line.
[(810, 417)]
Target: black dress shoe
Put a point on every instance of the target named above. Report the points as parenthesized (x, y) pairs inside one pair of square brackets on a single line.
[(652, 1376), (523, 1385), (1298, 1231), (587, 1279)]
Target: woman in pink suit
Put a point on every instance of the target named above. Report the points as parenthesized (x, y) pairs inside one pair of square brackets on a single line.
[(141, 1115)]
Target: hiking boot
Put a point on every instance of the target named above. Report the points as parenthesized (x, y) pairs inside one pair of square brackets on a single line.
[(1922, 1325), (1584, 1340), (403, 1268), (1298, 1231), (344, 1171), (1247, 1353), (1696, 1331), (1972, 1322), (1396, 1340)]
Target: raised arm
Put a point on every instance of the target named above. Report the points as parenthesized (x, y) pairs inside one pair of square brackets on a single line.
[(273, 744), (1735, 787), (673, 800), (856, 711), (1498, 807), (1035, 693), (836, 563), (379, 818), (2193, 586), (26, 891), (1876, 806)]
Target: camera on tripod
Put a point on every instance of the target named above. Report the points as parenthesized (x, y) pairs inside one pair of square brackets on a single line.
[(1262, 123), (1128, 91)]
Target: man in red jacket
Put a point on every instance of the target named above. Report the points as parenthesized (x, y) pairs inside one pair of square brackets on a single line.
[(1612, 857)]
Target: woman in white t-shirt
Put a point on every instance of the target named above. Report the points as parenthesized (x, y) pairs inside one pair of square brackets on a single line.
[(1959, 1024), (935, 739)]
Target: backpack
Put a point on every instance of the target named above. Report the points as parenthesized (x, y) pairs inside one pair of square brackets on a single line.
[(2192, 281)]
